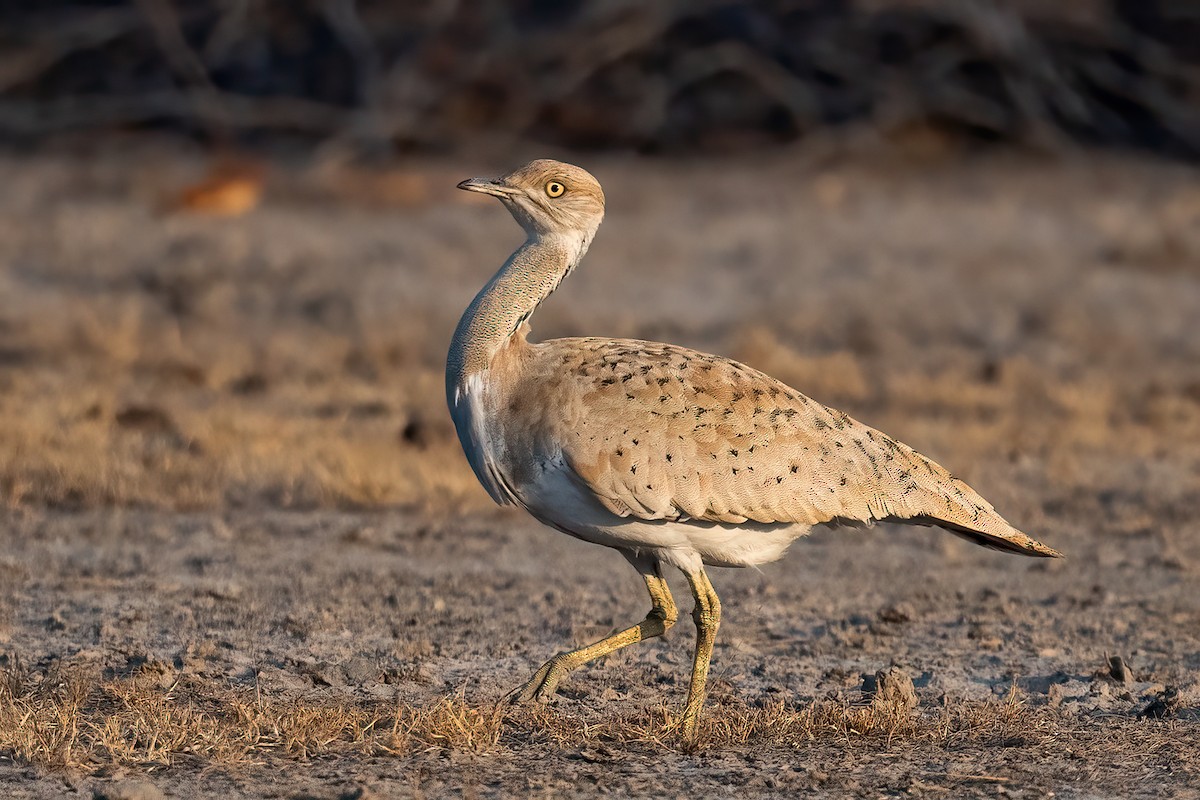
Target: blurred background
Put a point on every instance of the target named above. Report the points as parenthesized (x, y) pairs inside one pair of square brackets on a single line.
[(232, 251), (670, 77)]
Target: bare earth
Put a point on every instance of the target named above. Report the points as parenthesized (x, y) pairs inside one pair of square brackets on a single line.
[(242, 556)]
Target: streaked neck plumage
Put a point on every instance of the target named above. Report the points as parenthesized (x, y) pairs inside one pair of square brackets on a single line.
[(496, 314)]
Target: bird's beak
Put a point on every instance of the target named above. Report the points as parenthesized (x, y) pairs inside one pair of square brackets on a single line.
[(496, 188)]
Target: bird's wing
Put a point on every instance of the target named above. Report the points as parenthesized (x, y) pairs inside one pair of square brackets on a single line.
[(656, 431)]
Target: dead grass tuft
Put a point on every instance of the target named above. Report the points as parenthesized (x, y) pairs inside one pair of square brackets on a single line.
[(450, 723), (75, 718), (102, 417), (80, 719)]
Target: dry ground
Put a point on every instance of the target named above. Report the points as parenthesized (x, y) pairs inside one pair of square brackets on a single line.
[(242, 556)]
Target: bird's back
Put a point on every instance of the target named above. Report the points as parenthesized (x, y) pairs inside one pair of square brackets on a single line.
[(659, 432)]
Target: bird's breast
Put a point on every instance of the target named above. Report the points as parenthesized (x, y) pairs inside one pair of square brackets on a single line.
[(471, 400), (504, 418)]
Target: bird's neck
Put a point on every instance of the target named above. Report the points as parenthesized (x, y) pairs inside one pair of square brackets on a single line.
[(498, 312)]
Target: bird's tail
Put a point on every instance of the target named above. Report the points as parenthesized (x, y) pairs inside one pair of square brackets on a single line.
[(999, 536), (953, 505)]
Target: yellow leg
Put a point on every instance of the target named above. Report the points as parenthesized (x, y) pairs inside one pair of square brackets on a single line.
[(707, 615), (661, 617)]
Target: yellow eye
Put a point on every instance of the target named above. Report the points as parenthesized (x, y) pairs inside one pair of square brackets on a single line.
[(555, 189)]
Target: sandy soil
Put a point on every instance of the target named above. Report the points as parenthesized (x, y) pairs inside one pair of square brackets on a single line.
[(226, 466)]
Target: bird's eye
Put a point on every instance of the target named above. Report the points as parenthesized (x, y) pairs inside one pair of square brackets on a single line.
[(555, 189)]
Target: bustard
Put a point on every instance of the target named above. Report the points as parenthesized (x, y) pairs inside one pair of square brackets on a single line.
[(676, 458)]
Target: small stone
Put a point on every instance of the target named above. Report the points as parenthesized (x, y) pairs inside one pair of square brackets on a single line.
[(1118, 670), (609, 693), (1164, 705), (416, 432), (359, 793), (224, 590), (322, 673), (128, 790), (360, 670), (896, 614), (596, 755)]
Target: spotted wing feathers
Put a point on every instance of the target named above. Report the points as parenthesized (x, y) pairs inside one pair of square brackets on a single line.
[(661, 432)]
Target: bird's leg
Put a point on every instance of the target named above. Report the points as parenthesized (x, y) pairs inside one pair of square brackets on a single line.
[(707, 615), (661, 617)]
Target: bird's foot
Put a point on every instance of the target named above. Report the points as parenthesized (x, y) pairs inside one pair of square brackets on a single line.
[(687, 730), (542, 685)]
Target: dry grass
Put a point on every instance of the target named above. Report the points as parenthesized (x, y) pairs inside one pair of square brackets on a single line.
[(79, 719), (102, 416), (324, 422), (73, 718), (186, 363)]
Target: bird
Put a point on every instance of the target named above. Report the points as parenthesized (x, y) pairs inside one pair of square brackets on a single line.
[(677, 459)]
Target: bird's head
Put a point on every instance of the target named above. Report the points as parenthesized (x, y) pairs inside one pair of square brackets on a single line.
[(547, 197)]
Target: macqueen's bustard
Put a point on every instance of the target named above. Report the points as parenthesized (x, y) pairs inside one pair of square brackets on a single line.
[(675, 458)]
